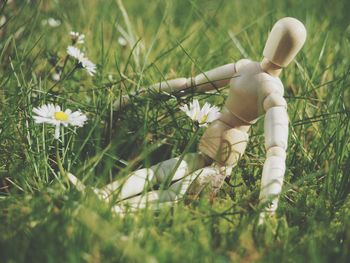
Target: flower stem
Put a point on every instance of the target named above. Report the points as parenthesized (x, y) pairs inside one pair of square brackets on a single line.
[(62, 78), (58, 159), (64, 64)]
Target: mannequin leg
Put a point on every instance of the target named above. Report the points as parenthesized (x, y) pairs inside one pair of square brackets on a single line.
[(212, 176), (138, 181), (212, 183), (175, 193)]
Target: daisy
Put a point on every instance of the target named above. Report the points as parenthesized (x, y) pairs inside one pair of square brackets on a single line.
[(75, 53), (89, 66), (122, 41), (56, 77), (77, 38), (202, 116), (52, 22), (82, 60), (52, 114), (2, 20)]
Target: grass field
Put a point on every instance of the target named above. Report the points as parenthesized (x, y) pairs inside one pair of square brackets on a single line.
[(44, 219)]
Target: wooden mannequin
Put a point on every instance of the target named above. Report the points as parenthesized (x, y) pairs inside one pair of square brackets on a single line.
[(255, 89)]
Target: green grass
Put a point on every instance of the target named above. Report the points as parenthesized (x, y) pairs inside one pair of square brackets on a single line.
[(43, 219)]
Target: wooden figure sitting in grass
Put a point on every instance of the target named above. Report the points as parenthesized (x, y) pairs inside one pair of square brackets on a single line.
[(255, 89)]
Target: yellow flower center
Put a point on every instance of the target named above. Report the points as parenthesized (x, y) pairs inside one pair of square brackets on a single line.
[(204, 119), (61, 116)]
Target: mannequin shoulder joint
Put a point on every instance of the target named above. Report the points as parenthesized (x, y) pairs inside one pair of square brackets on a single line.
[(274, 100)]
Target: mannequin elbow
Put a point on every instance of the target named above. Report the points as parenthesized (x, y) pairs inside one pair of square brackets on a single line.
[(277, 151)]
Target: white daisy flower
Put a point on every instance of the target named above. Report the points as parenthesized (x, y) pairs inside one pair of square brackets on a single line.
[(56, 76), (52, 22), (82, 60), (75, 53), (202, 116), (122, 41), (2, 20), (89, 66), (52, 114), (77, 38)]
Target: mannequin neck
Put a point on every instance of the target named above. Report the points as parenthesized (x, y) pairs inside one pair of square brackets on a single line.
[(270, 68)]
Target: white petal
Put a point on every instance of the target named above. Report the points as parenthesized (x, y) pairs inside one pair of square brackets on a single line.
[(122, 41), (203, 116), (45, 111), (84, 61), (51, 110), (77, 37), (200, 117), (38, 111), (57, 108), (81, 39), (196, 105), (213, 115), (57, 132), (89, 66), (206, 108), (39, 119), (75, 53), (77, 119), (53, 22)]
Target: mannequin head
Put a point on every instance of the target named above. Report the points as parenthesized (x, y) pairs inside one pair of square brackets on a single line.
[(285, 40)]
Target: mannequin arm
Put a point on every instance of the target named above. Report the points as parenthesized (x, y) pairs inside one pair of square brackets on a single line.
[(212, 79), (276, 139)]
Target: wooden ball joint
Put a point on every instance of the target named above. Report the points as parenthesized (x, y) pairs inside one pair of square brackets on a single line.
[(255, 90)]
